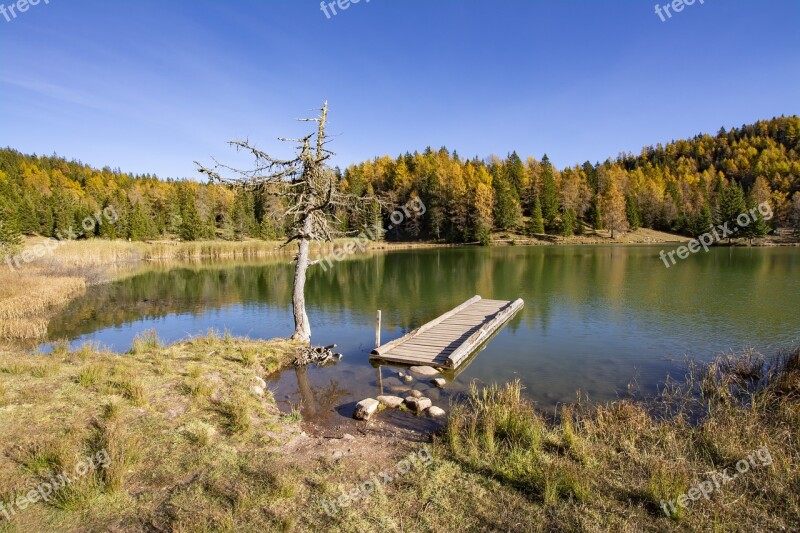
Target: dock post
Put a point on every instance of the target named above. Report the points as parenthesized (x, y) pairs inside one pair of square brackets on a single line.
[(378, 329)]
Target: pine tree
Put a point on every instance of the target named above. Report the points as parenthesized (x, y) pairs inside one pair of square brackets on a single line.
[(701, 222), (507, 211), (10, 236), (796, 213), (568, 222), (536, 223), (140, 225), (191, 228), (596, 213), (515, 172), (632, 212), (549, 196), (731, 205)]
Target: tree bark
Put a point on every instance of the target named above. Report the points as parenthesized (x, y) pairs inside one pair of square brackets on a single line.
[(302, 328)]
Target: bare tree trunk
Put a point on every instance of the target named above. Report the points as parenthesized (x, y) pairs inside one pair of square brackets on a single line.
[(302, 328)]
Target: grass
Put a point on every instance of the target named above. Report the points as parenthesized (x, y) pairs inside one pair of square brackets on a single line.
[(145, 342), (192, 448), (165, 448)]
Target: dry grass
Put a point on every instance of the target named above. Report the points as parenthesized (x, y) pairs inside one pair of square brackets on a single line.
[(203, 453), (160, 442)]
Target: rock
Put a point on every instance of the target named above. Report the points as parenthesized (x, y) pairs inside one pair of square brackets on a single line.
[(416, 394), (337, 455), (434, 411), (424, 370), (365, 409), (408, 379), (433, 394), (261, 383), (348, 436), (257, 390), (397, 390), (392, 402), (392, 382), (401, 375), (440, 382), (418, 404)]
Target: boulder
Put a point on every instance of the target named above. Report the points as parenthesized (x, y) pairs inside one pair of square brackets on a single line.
[(424, 371), (392, 402), (365, 409), (434, 411), (418, 404)]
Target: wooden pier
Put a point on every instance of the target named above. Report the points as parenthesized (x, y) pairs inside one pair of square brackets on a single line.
[(450, 339)]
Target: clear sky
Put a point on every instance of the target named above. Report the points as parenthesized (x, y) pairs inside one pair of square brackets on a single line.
[(150, 86)]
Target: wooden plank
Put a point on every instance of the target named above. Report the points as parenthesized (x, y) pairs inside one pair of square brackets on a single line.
[(425, 327), (450, 338)]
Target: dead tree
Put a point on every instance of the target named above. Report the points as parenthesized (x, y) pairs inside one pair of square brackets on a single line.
[(309, 187)]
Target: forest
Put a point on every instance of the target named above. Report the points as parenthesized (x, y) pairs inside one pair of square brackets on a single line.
[(682, 187)]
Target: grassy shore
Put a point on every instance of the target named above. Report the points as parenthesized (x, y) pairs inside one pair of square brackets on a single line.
[(194, 443)]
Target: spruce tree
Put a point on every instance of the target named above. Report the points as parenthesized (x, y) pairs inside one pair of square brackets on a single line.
[(731, 205), (632, 212), (191, 227), (568, 222), (536, 222), (10, 236), (549, 196)]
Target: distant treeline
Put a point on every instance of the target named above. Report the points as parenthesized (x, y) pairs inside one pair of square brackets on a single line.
[(683, 187)]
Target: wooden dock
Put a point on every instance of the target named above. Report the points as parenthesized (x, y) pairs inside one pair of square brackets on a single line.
[(450, 339)]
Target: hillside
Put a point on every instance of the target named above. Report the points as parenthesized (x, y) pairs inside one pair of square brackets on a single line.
[(680, 187)]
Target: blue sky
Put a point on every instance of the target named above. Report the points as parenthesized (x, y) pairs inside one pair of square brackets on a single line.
[(150, 86)]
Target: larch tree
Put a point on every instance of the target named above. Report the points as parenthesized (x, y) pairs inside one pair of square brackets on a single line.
[(614, 209), (310, 189)]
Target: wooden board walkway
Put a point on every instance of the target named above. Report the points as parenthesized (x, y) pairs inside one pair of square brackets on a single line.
[(448, 340)]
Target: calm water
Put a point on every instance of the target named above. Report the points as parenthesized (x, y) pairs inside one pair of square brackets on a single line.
[(595, 318)]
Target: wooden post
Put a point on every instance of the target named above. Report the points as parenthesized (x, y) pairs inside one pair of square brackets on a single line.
[(378, 329)]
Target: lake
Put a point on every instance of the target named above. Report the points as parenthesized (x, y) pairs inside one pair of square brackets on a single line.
[(596, 318)]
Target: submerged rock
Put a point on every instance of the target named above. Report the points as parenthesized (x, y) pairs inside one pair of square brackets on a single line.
[(424, 370), (415, 393), (365, 409), (440, 382)]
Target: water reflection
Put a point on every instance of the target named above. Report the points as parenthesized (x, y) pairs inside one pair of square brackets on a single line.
[(595, 317)]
